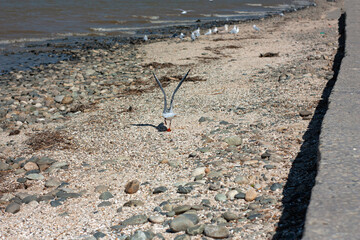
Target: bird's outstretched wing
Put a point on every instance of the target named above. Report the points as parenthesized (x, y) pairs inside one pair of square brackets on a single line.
[(177, 88), (159, 83)]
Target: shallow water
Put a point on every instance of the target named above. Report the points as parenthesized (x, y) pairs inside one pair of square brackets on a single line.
[(37, 19), (40, 31)]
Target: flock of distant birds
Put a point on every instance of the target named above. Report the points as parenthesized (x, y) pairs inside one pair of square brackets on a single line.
[(195, 34)]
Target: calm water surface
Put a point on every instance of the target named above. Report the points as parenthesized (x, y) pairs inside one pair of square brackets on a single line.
[(26, 20)]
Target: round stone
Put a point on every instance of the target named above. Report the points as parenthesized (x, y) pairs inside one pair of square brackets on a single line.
[(12, 208), (132, 187), (30, 166), (220, 197), (230, 216), (156, 219), (250, 195), (216, 231), (231, 194)]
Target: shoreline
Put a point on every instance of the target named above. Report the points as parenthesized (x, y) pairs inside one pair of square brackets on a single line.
[(32, 49), (239, 128)]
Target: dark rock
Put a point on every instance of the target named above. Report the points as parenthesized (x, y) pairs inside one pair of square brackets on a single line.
[(29, 199), (276, 186), (160, 189), (181, 209), (184, 190), (135, 220), (106, 195), (133, 203), (65, 195), (266, 154), (21, 180), (230, 216), (132, 187), (12, 208), (55, 203), (216, 231), (182, 237), (99, 235), (195, 230), (240, 195), (104, 204)]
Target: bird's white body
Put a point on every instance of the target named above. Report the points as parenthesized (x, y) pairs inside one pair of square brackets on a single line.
[(193, 37), (181, 36), (184, 11), (208, 32), (197, 32), (146, 38), (215, 30), (256, 28), (235, 30), (226, 27), (169, 115)]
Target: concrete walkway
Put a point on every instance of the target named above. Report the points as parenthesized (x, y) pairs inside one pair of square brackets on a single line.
[(334, 210)]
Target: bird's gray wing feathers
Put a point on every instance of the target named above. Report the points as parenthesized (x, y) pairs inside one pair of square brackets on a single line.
[(159, 83), (177, 88)]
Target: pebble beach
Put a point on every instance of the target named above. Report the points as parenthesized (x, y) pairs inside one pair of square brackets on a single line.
[(85, 154)]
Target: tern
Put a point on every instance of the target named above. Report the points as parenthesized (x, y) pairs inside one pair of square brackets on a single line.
[(184, 11), (209, 32), (146, 38), (197, 32), (182, 36), (193, 37), (168, 113), (256, 28), (215, 30), (235, 30)]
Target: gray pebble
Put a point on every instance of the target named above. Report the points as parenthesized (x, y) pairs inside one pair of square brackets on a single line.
[(195, 230), (181, 209), (106, 195), (182, 237), (138, 235), (35, 176), (98, 235), (230, 216), (220, 197), (216, 231), (12, 208), (104, 204), (135, 220), (160, 189), (276, 186), (29, 199)]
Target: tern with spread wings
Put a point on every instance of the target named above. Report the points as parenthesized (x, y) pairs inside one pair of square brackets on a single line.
[(168, 113)]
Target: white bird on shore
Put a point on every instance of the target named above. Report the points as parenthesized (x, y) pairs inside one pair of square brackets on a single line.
[(282, 14), (168, 113), (215, 30), (208, 32), (197, 32), (193, 37), (184, 11), (146, 38), (226, 27), (182, 36), (235, 30), (256, 28)]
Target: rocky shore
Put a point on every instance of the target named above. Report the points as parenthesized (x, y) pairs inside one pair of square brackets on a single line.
[(85, 155)]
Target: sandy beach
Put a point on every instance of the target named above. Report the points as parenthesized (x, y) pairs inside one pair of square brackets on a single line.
[(85, 154)]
